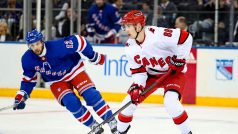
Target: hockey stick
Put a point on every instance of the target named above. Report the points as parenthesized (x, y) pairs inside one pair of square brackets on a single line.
[(159, 81), (8, 107)]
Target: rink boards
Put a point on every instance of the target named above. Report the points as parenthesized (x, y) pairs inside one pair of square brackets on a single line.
[(213, 80)]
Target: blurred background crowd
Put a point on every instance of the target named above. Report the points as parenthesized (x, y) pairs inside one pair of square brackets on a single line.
[(211, 22)]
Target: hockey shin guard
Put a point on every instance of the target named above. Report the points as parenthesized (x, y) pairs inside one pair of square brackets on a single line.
[(80, 112), (126, 116), (176, 111), (93, 98)]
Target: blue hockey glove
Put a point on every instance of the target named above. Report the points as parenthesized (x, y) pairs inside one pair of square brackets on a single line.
[(20, 99), (90, 30)]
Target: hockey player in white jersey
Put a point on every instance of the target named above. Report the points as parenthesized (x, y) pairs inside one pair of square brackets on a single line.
[(151, 52)]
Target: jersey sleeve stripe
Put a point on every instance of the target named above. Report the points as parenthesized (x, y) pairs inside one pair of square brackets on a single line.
[(81, 43), (183, 37), (138, 70)]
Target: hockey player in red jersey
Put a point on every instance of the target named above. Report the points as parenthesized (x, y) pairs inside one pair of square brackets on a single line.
[(151, 52)]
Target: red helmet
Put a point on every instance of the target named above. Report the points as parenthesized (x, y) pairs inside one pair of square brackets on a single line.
[(134, 17)]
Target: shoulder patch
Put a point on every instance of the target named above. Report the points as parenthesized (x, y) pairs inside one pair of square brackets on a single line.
[(69, 43)]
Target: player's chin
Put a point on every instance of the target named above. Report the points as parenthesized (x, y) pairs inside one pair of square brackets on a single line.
[(37, 52), (130, 36)]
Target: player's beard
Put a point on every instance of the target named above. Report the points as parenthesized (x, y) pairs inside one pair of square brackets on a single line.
[(39, 51)]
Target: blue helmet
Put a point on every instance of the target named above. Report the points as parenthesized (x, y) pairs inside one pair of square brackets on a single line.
[(33, 36)]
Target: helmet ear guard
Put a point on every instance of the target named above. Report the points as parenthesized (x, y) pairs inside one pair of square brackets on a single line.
[(33, 37)]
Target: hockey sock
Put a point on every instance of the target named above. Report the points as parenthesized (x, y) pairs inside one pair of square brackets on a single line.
[(80, 112), (176, 111), (102, 109), (126, 116), (124, 122), (93, 98)]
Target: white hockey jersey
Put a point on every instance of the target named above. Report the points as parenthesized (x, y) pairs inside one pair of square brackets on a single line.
[(153, 54)]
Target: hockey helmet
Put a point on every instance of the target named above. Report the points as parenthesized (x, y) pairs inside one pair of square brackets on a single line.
[(33, 36), (134, 17)]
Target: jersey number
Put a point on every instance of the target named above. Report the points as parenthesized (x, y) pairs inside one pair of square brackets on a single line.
[(168, 32), (152, 30)]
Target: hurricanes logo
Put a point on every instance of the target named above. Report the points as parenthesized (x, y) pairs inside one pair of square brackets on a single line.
[(137, 14)]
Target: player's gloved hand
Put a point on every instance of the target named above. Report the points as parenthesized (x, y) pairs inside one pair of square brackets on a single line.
[(98, 59), (135, 92), (20, 99), (91, 34), (90, 30), (111, 33), (176, 65)]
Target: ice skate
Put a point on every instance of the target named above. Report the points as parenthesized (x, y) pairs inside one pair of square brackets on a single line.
[(97, 130), (113, 126), (125, 132)]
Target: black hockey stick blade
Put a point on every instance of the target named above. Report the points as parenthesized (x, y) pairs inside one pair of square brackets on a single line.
[(159, 81)]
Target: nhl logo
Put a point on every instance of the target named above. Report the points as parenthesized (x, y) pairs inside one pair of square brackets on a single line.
[(224, 69)]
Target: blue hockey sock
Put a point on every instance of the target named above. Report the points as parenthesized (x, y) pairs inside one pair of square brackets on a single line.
[(80, 112), (93, 98), (102, 109)]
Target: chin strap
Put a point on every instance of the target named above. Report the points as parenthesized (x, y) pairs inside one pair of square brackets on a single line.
[(137, 33)]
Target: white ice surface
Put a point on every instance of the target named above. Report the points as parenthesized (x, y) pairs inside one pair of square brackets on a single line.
[(47, 117)]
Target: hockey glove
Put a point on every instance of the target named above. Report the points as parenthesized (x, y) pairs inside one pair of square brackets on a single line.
[(20, 99), (98, 59), (90, 30), (135, 92), (110, 33), (176, 65)]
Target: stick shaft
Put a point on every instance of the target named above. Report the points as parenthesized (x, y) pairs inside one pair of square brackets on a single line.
[(157, 82), (8, 107)]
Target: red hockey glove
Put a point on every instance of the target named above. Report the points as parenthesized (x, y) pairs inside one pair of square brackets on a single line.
[(135, 92), (20, 99), (176, 65), (98, 59)]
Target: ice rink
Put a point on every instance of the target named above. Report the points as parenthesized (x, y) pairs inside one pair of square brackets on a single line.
[(47, 117)]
